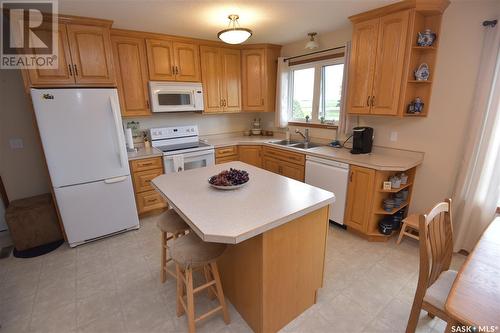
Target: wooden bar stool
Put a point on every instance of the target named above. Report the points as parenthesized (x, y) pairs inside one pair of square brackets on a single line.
[(409, 228), (190, 252), (171, 226)]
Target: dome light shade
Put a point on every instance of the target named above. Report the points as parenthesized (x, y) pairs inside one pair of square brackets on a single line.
[(312, 43), (234, 34)]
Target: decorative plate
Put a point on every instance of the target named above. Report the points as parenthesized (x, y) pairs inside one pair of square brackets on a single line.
[(229, 187)]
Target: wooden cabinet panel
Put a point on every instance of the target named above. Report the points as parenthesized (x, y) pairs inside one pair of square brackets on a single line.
[(231, 79), (226, 151), (391, 48), (132, 75), (283, 168), (285, 155), (211, 78), (142, 179), (63, 74), (359, 198), (146, 164), (91, 54), (251, 155), (253, 77), (362, 66), (187, 62), (225, 159), (160, 59), (148, 201)]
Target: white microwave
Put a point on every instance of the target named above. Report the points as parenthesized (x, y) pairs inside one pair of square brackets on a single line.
[(176, 96)]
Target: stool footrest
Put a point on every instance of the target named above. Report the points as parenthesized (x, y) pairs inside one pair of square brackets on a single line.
[(209, 313), (203, 286)]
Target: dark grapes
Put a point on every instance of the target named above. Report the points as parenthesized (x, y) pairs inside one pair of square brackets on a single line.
[(229, 177)]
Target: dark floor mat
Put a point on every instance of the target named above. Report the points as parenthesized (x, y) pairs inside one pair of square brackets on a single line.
[(38, 251), (5, 251)]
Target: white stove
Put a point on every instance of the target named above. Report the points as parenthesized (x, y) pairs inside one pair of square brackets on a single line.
[(182, 148)]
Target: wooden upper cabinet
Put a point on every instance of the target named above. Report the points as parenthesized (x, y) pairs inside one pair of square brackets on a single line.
[(253, 75), (362, 66), (359, 197), (388, 75), (231, 79), (160, 60), (258, 73), (251, 155), (211, 77), (173, 61), (221, 77), (187, 62), (130, 61), (63, 74), (91, 54)]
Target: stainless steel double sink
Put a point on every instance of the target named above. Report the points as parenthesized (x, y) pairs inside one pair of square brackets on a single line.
[(295, 144)]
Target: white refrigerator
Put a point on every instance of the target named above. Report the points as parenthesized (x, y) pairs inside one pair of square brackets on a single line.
[(84, 145)]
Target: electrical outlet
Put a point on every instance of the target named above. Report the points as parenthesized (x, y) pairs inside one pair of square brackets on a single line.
[(394, 136), (16, 143)]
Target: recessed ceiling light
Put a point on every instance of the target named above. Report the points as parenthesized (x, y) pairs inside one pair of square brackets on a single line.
[(234, 34)]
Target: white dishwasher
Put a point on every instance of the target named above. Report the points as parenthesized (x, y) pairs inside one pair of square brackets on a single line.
[(331, 176)]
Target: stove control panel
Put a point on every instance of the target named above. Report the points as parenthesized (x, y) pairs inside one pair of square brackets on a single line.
[(161, 133)]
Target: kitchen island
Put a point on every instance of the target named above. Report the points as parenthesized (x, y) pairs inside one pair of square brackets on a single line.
[(277, 228)]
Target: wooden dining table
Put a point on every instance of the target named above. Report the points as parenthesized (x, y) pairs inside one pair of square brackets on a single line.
[(474, 299)]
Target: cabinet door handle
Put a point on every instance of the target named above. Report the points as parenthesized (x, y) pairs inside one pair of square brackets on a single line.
[(373, 101), (176, 70), (225, 103), (76, 70), (221, 102), (173, 70), (350, 177), (147, 103), (368, 101), (70, 71)]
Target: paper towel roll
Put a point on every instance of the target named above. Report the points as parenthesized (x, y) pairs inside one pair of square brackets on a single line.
[(129, 139)]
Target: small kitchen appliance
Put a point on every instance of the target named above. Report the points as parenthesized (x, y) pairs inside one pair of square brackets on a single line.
[(176, 96), (182, 148), (362, 140)]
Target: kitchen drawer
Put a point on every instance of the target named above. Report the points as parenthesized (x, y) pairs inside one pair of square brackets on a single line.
[(285, 155), (290, 170), (150, 200), (142, 179), (146, 164), (226, 159), (226, 151)]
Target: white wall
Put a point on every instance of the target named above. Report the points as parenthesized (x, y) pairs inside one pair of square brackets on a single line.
[(440, 135), (23, 170), (207, 124)]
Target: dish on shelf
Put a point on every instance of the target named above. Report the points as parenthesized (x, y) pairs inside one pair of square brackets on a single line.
[(229, 179)]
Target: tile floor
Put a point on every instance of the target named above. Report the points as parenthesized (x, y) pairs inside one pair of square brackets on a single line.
[(113, 286)]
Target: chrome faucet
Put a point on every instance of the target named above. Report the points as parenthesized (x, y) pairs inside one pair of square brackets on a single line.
[(305, 135)]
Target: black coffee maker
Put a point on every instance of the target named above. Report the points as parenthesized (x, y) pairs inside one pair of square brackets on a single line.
[(362, 140)]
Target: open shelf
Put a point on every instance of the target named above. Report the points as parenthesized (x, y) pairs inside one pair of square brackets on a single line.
[(424, 48), (396, 190), (393, 211), (420, 81)]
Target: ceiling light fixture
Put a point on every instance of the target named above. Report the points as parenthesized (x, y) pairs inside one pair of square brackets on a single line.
[(312, 44), (234, 34)]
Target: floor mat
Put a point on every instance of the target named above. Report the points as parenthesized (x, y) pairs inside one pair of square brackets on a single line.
[(39, 250)]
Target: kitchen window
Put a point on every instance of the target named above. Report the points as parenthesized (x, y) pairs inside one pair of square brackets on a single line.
[(316, 91)]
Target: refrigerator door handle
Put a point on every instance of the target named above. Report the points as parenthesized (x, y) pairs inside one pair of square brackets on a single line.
[(115, 180), (119, 133)]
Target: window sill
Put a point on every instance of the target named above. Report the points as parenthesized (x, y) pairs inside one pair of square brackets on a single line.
[(312, 125)]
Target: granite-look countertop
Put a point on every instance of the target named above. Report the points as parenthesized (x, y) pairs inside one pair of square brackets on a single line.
[(267, 201), (143, 152), (381, 158)]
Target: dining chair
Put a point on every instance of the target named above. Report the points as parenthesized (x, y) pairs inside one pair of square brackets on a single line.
[(435, 278)]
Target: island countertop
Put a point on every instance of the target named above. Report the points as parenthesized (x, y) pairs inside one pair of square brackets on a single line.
[(267, 201)]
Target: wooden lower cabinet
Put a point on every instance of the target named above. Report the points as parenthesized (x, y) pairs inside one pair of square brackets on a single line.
[(143, 171), (226, 154), (251, 155), (285, 163), (359, 198)]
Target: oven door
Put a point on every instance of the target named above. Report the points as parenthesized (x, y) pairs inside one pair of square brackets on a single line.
[(187, 161)]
